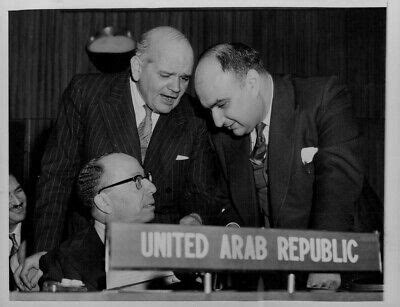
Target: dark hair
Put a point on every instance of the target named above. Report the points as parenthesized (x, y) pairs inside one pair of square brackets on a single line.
[(89, 181), (236, 57)]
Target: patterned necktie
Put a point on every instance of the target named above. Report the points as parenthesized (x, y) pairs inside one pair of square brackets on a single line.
[(258, 154), (14, 247), (144, 131)]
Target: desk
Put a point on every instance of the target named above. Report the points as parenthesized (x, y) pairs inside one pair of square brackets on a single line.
[(199, 296)]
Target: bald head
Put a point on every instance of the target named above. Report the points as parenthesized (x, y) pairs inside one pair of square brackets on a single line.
[(231, 81), (161, 37), (115, 188), (162, 68), (235, 58), (102, 170)]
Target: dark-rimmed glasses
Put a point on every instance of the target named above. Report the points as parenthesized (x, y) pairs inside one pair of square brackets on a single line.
[(136, 179)]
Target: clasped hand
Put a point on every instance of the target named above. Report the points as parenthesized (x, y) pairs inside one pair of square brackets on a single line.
[(28, 273)]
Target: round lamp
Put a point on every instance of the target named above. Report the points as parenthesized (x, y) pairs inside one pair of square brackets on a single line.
[(110, 51)]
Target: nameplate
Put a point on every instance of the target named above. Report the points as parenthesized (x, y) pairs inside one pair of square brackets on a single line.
[(206, 248)]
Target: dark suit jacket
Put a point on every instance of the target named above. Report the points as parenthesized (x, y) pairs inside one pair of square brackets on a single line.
[(312, 112), (96, 117), (81, 258)]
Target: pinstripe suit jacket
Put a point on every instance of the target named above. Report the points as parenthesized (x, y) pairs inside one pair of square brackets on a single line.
[(309, 112), (96, 117)]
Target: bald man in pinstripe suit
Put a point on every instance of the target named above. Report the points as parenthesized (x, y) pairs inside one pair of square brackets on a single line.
[(101, 113)]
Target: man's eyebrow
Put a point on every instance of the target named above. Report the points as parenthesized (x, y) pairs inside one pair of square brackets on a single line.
[(137, 173), (166, 72), (174, 73), (218, 101)]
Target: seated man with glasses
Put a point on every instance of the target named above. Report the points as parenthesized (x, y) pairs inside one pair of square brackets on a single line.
[(115, 188)]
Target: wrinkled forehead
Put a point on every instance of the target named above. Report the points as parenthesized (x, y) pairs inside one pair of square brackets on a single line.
[(211, 82), (208, 71), (175, 54), (13, 183)]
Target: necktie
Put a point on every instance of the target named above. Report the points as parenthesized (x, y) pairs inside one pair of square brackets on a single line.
[(259, 152), (14, 247), (144, 131), (11, 266), (258, 159)]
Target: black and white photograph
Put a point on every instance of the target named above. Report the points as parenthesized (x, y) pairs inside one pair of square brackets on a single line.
[(197, 152)]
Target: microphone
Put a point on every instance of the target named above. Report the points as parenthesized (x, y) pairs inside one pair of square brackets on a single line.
[(232, 225), (224, 281)]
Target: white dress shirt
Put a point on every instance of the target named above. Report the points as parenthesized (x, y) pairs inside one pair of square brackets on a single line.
[(17, 232), (266, 121), (14, 260), (138, 104), (101, 230)]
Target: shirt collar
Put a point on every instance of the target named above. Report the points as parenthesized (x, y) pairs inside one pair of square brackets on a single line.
[(101, 230), (17, 230), (138, 104), (137, 97), (267, 119)]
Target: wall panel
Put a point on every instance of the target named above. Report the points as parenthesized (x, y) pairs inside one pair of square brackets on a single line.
[(47, 47)]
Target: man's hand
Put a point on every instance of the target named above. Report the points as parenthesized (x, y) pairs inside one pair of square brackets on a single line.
[(28, 273), (323, 281), (192, 219)]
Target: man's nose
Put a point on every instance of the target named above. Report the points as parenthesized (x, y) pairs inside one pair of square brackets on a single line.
[(149, 186), (14, 200), (175, 84), (217, 117)]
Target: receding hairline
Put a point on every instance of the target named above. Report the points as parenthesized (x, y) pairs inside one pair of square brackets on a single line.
[(159, 35), (104, 162), (213, 51)]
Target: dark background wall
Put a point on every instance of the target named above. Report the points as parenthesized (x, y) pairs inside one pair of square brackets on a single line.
[(47, 47)]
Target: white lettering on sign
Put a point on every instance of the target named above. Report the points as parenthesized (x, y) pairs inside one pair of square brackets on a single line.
[(173, 244), (352, 258), (235, 247), (317, 249), (326, 249)]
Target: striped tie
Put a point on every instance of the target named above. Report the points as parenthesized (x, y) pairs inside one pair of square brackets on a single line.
[(14, 247), (258, 154), (144, 131)]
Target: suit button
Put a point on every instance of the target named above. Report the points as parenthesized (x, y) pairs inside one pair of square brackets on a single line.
[(168, 190)]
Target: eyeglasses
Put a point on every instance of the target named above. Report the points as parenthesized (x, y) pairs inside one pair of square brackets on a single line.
[(136, 179)]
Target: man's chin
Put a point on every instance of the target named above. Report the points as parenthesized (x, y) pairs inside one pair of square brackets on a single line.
[(149, 219), (163, 108), (17, 217), (238, 132)]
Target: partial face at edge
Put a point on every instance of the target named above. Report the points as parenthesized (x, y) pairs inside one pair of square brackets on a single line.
[(17, 202)]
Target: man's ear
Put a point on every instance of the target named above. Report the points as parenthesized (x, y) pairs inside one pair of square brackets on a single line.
[(136, 67), (103, 203), (253, 81)]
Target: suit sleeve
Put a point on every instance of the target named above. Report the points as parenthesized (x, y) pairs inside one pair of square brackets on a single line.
[(207, 193), (58, 264), (199, 195), (60, 165), (338, 169)]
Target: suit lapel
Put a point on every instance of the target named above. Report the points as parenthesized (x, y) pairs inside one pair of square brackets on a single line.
[(92, 260), (166, 142), (119, 117), (281, 142)]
